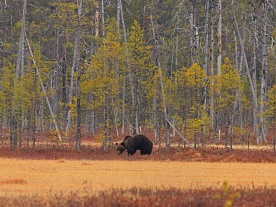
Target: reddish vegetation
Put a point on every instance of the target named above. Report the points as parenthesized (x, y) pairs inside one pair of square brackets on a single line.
[(203, 154), (238, 196), (138, 197)]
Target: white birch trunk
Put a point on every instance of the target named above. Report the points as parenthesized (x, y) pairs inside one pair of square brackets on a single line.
[(118, 15), (264, 76)]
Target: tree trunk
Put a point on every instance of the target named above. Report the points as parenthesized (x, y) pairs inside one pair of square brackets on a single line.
[(78, 107), (118, 15), (254, 77), (219, 38), (78, 110), (102, 15), (73, 69), (212, 116), (264, 76), (206, 50), (20, 58), (192, 38)]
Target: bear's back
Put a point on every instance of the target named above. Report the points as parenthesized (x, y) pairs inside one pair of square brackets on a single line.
[(143, 143)]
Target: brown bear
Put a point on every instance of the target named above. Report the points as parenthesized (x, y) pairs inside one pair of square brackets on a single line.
[(137, 142)]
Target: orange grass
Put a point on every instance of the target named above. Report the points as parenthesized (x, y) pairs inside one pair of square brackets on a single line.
[(66, 176)]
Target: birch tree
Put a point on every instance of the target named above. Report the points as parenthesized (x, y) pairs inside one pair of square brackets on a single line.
[(264, 76)]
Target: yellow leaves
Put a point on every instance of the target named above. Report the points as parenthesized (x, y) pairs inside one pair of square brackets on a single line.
[(139, 52), (198, 119), (193, 126), (195, 76), (101, 82), (227, 84)]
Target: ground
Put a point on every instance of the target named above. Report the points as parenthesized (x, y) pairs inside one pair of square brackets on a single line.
[(58, 175)]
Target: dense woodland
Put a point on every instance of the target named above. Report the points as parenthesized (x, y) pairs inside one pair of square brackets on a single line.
[(198, 69)]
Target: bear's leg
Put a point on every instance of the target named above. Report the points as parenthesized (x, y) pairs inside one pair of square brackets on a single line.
[(131, 151)]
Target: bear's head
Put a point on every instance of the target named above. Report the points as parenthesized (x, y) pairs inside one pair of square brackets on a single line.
[(121, 147)]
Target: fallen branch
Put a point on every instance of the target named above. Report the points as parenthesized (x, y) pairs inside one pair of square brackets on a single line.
[(179, 134)]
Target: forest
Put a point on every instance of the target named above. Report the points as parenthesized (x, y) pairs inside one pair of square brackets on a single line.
[(196, 69)]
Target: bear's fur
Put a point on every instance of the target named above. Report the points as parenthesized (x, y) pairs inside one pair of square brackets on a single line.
[(137, 142)]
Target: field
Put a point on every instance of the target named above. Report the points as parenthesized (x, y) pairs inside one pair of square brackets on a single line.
[(58, 175)]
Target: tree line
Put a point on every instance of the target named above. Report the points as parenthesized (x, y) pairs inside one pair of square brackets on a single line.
[(196, 68)]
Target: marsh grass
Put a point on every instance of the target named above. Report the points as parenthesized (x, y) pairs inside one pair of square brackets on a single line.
[(58, 175)]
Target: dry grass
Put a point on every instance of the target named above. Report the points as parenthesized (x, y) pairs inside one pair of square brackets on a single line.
[(13, 181), (43, 176)]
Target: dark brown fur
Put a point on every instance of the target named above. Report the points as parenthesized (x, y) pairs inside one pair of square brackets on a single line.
[(137, 142)]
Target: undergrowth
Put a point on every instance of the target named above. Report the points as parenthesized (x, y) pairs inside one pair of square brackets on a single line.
[(143, 197), (202, 154)]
